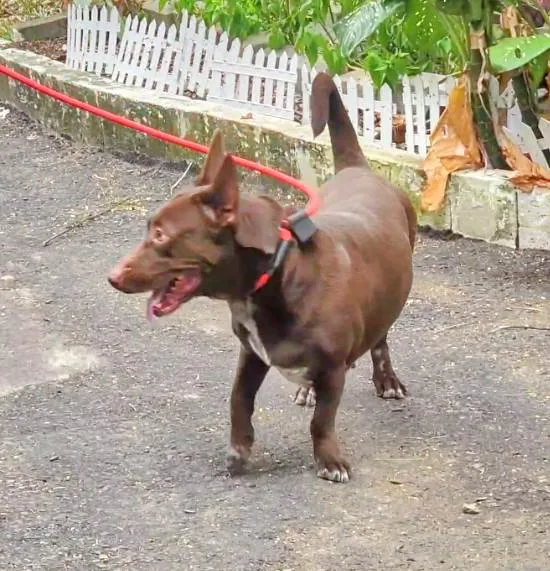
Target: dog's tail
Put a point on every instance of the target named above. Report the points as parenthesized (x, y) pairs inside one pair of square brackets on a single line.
[(327, 107)]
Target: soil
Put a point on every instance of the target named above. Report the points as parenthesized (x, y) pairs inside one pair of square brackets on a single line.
[(55, 49), (113, 432)]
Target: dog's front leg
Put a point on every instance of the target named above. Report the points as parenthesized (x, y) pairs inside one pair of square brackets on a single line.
[(331, 463), (251, 372)]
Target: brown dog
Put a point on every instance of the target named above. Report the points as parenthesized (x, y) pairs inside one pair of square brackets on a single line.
[(329, 302)]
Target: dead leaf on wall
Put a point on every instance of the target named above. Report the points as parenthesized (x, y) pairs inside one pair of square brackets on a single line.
[(453, 146), (526, 174)]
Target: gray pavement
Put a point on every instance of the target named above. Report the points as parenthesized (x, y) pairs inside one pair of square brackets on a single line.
[(113, 432)]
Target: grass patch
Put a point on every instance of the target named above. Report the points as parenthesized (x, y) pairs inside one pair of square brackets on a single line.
[(15, 11)]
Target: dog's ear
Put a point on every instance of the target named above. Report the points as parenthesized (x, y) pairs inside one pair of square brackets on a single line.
[(213, 161), (221, 201), (258, 227)]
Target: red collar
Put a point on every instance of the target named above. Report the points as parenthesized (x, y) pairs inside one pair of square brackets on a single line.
[(298, 227)]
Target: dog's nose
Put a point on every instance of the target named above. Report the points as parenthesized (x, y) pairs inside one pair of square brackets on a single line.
[(115, 279)]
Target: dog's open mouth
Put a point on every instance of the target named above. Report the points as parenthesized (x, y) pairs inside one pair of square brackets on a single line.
[(179, 290)]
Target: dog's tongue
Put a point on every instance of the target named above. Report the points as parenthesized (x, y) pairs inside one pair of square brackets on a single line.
[(154, 298), (166, 300)]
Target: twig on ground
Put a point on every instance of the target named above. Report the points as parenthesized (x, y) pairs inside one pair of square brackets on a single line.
[(503, 327), (153, 170), (79, 223), (455, 326), (175, 185), (525, 308)]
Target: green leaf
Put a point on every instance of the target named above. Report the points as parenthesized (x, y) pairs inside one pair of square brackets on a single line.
[(333, 58), (423, 25), (400, 65), (309, 44), (357, 26), (513, 53), (276, 39), (445, 45), (453, 7), (538, 68), (477, 9), (376, 67)]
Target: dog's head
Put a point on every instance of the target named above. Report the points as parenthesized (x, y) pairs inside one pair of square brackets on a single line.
[(192, 235)]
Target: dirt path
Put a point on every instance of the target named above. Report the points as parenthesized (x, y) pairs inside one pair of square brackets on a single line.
[(113, 433)]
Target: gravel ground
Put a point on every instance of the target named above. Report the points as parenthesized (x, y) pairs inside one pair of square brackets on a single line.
[(113, 432)]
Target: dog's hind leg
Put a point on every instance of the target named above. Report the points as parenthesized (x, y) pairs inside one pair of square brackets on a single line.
[(385, 380), (251, 372), (305, 396)]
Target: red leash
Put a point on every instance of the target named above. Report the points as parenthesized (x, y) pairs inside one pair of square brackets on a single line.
[(298, 226), (313, 199)]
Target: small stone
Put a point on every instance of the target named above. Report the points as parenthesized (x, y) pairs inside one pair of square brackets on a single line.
[(190, 511), (54, 458), (470, 509)]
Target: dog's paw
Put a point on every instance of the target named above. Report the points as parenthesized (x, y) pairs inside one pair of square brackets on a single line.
[(339, 472), (331, 463), (389, 387), (236, 460), (305, 396)]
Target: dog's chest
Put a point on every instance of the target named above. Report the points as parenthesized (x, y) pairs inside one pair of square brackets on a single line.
[(243, 316)]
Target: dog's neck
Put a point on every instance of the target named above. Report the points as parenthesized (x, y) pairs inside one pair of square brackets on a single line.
[(249, 249)]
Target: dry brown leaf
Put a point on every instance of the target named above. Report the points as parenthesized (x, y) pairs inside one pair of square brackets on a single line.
[(526, 174), (453, 147)]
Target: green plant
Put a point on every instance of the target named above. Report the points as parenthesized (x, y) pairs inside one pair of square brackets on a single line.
[(307, 25), (396, 48), (239, 18), (388, 38), (394, 37), (465, 30)]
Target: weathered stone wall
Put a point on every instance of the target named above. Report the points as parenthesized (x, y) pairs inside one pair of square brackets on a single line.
[(480, 204)]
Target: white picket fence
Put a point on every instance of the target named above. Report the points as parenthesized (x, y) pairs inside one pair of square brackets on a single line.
[(193, 58), (372, 111), (518, 132), (148, 55), (92, 39), (255, 82), (524, 137), (198, 51), (425, 96)]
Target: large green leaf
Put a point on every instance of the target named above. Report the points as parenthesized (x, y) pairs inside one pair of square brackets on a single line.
[(454, 7), (423, 26), (538, 68), (513, 53), (357, 26)]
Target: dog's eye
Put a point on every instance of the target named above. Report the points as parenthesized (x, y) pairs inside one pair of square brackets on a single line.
[(158, 236)]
